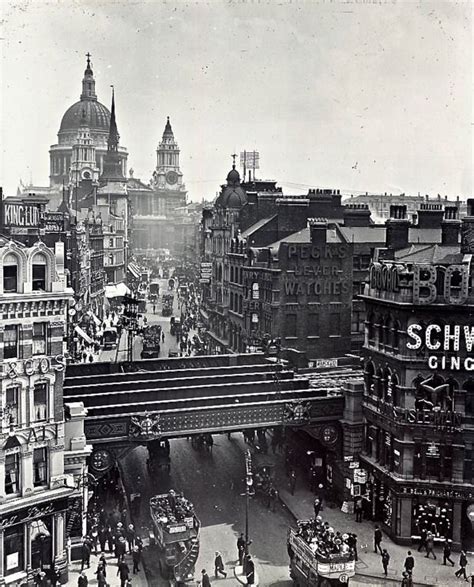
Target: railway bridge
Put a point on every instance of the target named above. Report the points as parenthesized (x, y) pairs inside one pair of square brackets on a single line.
[(132, 403)]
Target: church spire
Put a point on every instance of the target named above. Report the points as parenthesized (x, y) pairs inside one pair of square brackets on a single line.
[(112, 164), (114, 137), (88, 82), (168, 132)]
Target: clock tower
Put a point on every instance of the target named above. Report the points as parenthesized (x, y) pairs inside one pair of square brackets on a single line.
[(167, 180)]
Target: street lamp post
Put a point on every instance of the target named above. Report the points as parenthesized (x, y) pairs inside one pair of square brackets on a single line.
[(130, 322), (248, 487)]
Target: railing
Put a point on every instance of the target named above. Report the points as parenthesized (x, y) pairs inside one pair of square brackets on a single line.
[(184, 570)]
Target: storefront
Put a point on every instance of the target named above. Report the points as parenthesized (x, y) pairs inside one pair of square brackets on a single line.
[(32, 539)]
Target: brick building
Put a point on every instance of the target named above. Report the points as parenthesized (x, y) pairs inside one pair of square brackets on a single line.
[(419, 388)]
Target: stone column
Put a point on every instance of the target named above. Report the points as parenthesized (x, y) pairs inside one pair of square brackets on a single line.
[(457, 516), (405, 517), (28, 547), (26, 468)]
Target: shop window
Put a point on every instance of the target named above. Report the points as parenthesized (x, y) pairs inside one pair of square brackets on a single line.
[(40, 330), (10, 341), (40, 401), (432, 515), (313, 324), (39, 273), (40, 467), (433, 461), (12, 403), (379, 384), (12, 474), (10, 278), (290, 325), (13, 553), (335, 324)]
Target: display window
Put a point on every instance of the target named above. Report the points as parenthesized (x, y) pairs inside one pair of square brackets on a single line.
[(432, 515), (13, 553)]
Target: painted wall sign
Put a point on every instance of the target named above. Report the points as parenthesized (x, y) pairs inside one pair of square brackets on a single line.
[(23, 215), (308, 251)]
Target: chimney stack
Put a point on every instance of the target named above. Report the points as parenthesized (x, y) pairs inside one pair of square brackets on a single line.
[(450, 227), (318, 230), (430, 215), (356, 215), (397, 228)]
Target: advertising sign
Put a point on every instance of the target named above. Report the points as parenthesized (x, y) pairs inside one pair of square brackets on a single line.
[(21, 215)]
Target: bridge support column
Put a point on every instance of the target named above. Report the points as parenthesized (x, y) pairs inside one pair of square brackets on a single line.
[(353, 439)]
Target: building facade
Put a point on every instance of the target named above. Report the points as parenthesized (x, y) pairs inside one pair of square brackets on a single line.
[(34, 490), (419, 388)]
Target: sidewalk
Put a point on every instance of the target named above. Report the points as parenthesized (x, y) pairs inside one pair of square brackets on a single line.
[(427, 572), (138, 580)]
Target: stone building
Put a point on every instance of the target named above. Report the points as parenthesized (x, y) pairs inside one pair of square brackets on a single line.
[(88, 112), (34, 490), (419, 389)]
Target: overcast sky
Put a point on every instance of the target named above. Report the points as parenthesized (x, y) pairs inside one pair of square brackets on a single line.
[(353, 95)]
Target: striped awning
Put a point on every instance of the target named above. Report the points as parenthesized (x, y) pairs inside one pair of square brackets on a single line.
[(134, 270)]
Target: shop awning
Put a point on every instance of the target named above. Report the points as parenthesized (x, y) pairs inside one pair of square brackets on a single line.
[(83, 335), (116, 291), (134, 270)]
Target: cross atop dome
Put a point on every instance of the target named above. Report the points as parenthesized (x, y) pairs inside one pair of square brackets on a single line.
[(234, 155), (88, 81)]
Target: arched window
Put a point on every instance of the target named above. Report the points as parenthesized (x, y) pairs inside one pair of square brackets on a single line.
[(369, 378), (379, 384), (386, 333), (396, 335), (370, 329), (232, 274), (395, 390), (39, 268), (387, 386), (10, 273), (255, 291)]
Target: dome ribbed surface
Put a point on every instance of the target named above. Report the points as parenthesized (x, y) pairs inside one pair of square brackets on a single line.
[(97, 116)]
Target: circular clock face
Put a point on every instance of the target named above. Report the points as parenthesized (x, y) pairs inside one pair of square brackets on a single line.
[(171, 177), (329, 434), (101, 460)]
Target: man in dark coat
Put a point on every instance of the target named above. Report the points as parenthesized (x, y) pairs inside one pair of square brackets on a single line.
[(120, 547), (219, 566), (55, 576), (136, 557), (85, 554), (447, 553), (240, 547), (377, 539), (123, 572), (250, 570), (385, 561), (82, 580), (409, 563), (205, 581)]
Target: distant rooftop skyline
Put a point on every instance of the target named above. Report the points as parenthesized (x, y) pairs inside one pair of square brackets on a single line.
[(355, 96)]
